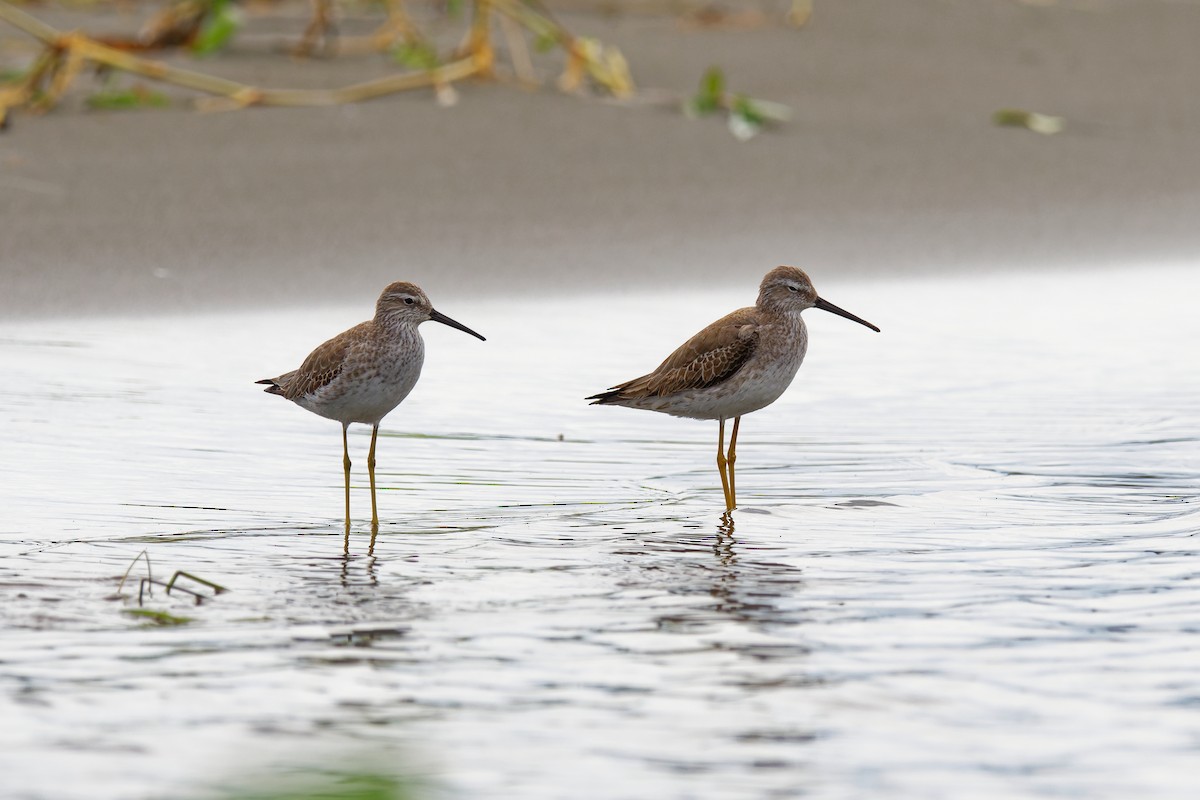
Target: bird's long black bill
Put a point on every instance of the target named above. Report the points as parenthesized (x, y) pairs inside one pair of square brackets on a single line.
[(825, 305), (438, 316)]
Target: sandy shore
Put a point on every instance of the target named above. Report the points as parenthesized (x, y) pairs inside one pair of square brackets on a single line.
[(891, 164)]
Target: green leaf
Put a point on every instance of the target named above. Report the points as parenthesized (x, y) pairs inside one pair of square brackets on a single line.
[(124, 99), (1031, 120), (416, 55), (744, 127), (545, 41), (711, 95), (712, 85), (747, 116), (693, 109), (764, 112), (220, 23), (745, 108)]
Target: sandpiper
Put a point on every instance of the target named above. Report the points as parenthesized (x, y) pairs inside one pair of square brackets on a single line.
[(738, 364), (362, 374)]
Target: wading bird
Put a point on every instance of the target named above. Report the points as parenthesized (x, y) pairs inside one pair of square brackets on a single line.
[(738, 364), (362, 374)]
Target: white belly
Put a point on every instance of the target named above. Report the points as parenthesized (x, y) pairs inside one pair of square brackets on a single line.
[(754, 387), (368, 389)]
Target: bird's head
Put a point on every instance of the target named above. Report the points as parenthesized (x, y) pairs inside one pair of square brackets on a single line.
[(788, 290), (405, 303)]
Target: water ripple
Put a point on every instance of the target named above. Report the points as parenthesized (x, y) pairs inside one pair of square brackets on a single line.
[(948, 577)]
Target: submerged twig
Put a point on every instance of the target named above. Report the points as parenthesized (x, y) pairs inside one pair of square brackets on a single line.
[(169, 585), (146, 584), (143, 555)]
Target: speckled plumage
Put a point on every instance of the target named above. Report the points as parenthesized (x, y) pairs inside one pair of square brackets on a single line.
[(738, 364), (359, 375), (363, 373)]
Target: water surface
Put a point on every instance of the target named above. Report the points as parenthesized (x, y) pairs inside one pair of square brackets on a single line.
[(965, 564)]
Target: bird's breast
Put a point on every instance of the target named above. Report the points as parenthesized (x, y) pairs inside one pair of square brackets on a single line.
[(375, 378)]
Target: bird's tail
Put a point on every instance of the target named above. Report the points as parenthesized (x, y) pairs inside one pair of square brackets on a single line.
[(610, 397), (273, 386)]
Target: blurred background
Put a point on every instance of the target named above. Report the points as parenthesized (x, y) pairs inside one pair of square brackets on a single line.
[(896, 158)]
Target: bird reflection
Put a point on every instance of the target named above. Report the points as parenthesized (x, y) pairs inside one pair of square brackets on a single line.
[(723, 546), (369, 565), (738, 577), (370, 547), (748, 590)]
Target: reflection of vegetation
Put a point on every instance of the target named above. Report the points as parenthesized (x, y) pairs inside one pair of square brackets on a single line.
[(312, 785), (157, 617)]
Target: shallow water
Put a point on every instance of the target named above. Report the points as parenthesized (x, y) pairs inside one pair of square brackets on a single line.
[(965, 563)]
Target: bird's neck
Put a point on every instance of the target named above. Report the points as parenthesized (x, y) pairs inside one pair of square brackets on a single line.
[(780, 314), (793, 323), (395, 326)]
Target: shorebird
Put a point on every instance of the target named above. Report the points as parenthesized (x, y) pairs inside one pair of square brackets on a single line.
[(738, 364), (362, 374)]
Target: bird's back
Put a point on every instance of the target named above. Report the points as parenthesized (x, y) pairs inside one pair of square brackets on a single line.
[(357, 376), (736, 365)]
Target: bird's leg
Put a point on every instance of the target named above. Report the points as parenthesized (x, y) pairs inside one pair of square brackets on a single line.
[(732, 458), (721, 462), (346, 469), (371, 471)]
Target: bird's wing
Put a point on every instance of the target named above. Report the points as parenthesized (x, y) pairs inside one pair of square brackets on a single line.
[(709, 357), (319, 369)]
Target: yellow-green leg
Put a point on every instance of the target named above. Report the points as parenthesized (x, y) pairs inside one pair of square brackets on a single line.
[(731, 459), (721, 463), (346, 469), (371, 472)]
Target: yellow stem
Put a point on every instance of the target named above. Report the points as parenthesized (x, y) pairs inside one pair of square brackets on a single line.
[(76, 48), (80, 48)]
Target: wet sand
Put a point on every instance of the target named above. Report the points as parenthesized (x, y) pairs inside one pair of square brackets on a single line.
[(892, 164)]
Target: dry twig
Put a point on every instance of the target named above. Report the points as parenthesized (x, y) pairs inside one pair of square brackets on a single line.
[(65, 54)]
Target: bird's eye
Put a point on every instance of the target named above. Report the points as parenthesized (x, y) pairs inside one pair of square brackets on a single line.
[(793, 289), (408, 301)]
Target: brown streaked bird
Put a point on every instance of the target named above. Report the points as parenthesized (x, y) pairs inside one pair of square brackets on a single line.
[(738, 364), (362, 374)]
